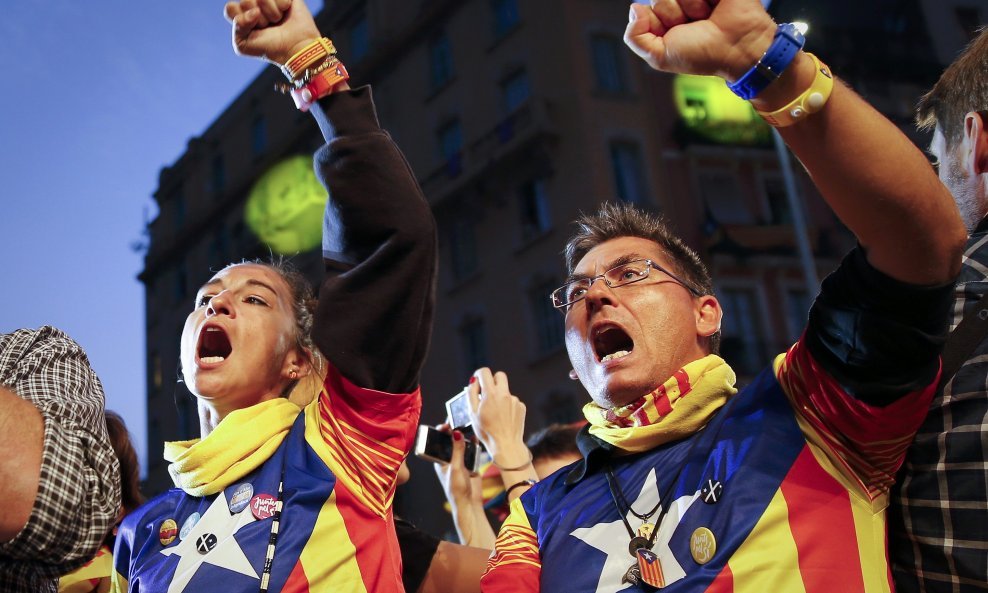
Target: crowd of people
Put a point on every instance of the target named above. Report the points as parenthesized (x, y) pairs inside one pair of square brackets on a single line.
[(855, 461)]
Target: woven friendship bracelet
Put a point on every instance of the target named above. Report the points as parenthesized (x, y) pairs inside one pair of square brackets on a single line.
[(307, 56), (307, 75)]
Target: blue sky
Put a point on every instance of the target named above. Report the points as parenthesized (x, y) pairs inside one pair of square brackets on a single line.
[(97, 97)]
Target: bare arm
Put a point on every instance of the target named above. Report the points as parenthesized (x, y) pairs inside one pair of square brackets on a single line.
[(499, 419), (21, 436), (875, 180), (455, 568)]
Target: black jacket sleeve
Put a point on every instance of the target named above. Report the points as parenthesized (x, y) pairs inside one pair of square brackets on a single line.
[(878, 337), (374, 319)]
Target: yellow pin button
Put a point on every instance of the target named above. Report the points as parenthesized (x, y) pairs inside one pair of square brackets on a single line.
[(703, 545)]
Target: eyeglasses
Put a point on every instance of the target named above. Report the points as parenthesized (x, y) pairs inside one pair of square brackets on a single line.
[(620, 275)]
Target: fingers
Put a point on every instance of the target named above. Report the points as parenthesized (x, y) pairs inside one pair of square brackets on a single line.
[(492, 384), (245, 23), (231, 10), (474, 394), (459, 446), (271, 10), (501, 380), (669, 12), (644, 34), (696, 10)]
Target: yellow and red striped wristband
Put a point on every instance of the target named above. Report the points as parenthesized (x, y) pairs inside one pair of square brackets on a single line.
[(307, 56)]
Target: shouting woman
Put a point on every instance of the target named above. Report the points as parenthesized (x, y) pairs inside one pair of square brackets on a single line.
[(275, 497)]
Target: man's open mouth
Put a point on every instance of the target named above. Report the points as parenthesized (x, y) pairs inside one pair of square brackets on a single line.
[(611, 343), (214, 345)]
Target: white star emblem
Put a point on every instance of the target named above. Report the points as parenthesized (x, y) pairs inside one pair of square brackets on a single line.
[(612, 538), (225, 554)]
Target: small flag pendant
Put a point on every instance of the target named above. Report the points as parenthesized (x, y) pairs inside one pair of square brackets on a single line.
[(650, 568)]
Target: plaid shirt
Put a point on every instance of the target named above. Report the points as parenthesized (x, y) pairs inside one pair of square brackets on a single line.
[(939, 524), (79, 489)]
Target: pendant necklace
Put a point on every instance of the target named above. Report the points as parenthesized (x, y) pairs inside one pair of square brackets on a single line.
[(647, 567)]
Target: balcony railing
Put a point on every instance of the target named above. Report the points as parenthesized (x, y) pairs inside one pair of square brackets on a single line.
[(528, 123)]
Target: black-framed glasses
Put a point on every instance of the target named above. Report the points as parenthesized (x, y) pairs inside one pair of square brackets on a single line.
[(620, 275)]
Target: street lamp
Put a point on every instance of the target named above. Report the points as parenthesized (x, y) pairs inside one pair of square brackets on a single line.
[(795, 204)]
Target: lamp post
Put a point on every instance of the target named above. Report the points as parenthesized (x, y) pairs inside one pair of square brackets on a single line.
[(798, 215), (796, 205)]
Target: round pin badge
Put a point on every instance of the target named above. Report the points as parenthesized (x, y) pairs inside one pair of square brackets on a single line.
[(712, 491), (263, 506), (702, 545), (241, 497), (206, 542), (167, 532), (189, 524)]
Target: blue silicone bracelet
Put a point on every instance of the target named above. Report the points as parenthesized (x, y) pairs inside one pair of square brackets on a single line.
[(785, 45)]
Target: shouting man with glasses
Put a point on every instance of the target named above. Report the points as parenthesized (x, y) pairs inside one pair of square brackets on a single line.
[(687, 484)]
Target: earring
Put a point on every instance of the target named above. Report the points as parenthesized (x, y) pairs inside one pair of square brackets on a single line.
[(293, 374), (572, 375)]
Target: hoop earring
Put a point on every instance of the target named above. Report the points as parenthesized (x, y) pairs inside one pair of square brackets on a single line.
[(293, 374)]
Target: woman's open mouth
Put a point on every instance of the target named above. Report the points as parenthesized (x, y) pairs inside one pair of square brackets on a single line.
[(214, 345)]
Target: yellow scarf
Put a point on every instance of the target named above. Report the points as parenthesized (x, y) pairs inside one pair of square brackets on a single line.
[(238, 445), (678, 408)]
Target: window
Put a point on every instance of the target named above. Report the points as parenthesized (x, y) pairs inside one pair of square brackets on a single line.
[(440, 61), (473, 343), (462, 249), (548, 321), (258, 135), (218, 178), (742, 342), (514, 91), (218, 247), (359, 38), (778, 201), (608, 64), (178, 207), (450, 139), (722, 194), (629, 173), (505, 16), (181, 285), (533, 209)]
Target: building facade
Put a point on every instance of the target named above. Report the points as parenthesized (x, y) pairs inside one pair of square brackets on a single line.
[(517, 116)]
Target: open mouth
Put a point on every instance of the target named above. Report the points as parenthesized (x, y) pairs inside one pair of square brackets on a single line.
[(612, 343), (214, 345)]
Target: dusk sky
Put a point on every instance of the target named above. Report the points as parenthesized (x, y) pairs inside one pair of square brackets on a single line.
[(96, 98)]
